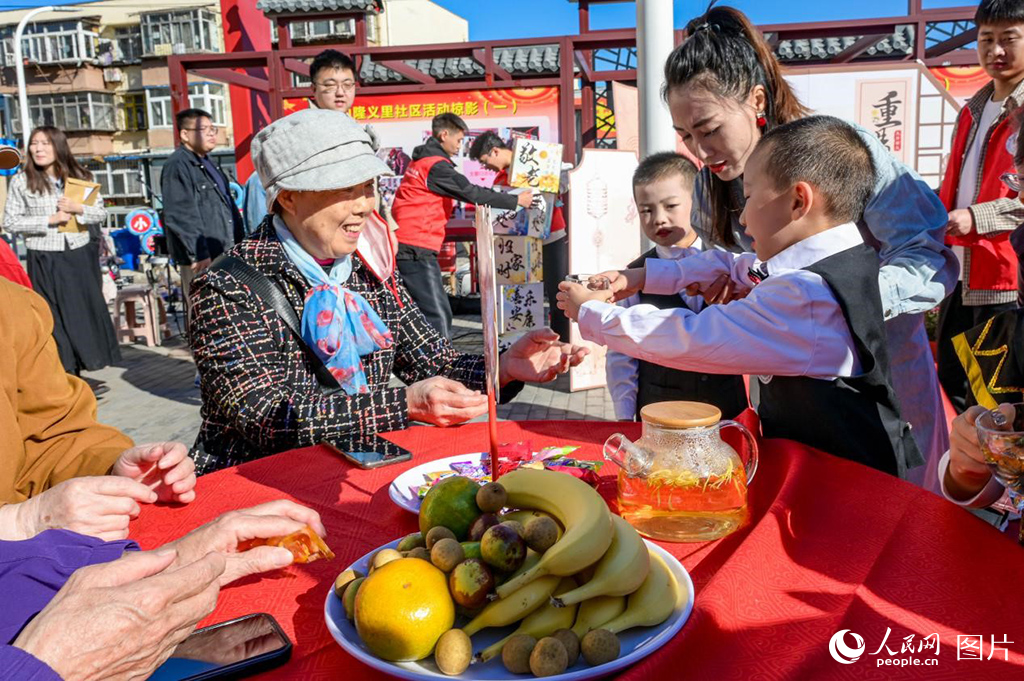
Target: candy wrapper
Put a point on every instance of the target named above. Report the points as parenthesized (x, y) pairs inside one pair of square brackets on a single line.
[(511, 457)]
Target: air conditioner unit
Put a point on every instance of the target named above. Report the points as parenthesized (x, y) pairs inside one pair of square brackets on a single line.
[(162, 50), (179, 48), (112, 75)]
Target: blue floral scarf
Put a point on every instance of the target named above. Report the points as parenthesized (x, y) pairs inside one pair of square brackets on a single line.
[(337, 323)]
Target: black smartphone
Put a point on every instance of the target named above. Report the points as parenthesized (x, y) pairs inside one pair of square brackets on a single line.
[(370, 451), (229, 650)]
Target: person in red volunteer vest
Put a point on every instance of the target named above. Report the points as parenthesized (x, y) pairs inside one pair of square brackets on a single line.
[(422, 205), (496, 155), (983, 211)]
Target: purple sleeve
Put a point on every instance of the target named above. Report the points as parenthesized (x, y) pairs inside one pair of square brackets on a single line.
[(20, 666), (32, 571)]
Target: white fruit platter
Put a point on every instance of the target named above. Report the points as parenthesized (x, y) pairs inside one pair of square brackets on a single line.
[(402, 489), (636, 644)]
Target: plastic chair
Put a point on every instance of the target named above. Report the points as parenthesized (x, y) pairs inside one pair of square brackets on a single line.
[(154, 327)]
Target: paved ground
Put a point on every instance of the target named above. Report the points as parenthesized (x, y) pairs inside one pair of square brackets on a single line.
[(152, 395)]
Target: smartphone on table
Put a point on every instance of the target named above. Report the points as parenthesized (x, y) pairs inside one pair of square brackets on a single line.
[(370, 451), (229, 650)]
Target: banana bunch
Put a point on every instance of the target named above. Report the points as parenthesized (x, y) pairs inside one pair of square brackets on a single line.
[(621, 585), (574, 504), (621, 570), (652, 603), (542, 622)]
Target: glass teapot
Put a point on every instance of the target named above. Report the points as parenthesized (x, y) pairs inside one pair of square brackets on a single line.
[(681, 482)]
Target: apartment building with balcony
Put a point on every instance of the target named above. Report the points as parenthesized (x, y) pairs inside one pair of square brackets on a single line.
[(99, 71)]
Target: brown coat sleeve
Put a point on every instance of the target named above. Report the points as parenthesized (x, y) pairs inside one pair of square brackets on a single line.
[(48, 428)]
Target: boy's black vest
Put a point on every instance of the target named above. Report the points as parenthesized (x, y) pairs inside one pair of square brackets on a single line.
[(854, 418), (656, 383)]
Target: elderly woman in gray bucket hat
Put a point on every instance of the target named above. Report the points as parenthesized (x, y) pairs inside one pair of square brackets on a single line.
[(297, 331)]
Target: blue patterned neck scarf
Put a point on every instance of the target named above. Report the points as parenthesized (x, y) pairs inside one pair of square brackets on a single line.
[(337, 323)]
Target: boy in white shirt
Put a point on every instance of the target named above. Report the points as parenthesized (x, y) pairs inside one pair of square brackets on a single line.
[(811, 326), (663, 190)]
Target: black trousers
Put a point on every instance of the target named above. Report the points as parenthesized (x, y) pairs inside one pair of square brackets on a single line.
[(70, 281), (422, 276), (556, 267), (954, 319)]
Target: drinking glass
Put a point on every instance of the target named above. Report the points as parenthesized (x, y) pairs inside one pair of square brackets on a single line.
[(1002, 443), (594, 282)]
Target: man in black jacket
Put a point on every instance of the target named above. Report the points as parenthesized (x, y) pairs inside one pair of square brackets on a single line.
[(200, 218), (422, 205)]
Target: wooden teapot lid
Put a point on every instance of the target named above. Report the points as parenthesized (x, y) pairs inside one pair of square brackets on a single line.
[(681, 414)]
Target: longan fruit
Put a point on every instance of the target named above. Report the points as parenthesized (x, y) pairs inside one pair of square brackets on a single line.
[(599, 646), (549, 657), (436, 534), (515, 654)]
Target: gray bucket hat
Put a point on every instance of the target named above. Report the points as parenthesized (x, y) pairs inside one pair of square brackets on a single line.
[(314, 150)]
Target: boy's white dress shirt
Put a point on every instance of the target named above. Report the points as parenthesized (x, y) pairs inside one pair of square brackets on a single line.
[(790, 324), (621, 370)]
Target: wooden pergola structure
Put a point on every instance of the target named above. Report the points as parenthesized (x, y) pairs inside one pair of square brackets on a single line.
[(939, 37)]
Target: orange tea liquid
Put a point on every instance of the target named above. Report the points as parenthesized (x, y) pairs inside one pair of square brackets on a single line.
[(673, 506)]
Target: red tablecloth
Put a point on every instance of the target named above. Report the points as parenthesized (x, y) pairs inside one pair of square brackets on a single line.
[(832, 545)]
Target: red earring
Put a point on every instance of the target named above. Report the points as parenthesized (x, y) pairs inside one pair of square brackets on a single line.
[(761, 120)]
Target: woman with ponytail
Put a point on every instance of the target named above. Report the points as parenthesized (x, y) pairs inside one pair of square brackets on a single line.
[(725, 89)]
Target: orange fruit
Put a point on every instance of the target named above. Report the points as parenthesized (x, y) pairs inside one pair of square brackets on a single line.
[(402, 608)]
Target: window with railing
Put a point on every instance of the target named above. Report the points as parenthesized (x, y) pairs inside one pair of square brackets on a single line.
[(128, 44), (117, 179), (181, 32), (206, 96), (322, 29), (71, 111), (54, 42), (133, 111)]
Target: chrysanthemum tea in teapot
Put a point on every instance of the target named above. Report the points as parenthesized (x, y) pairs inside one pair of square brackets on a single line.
[(681, 482)]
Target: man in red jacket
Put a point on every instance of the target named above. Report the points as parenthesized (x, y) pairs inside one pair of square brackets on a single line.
[(496, 155), (421, 208), (982, 210)]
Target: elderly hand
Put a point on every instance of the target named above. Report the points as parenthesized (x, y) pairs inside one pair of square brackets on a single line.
[(967, 473), (121, 620), (961, 222), (68, 206), (538, 357), (722, 290), (443, 402), (223, 535), (571, 298), (164, 467), (98, 506)]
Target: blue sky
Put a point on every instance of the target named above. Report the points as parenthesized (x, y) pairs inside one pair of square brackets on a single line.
[(492, 20)]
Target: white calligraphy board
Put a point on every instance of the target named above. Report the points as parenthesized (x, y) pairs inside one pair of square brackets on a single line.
[(518, 259), (605, 235), (536, 165), (533, 221), (488, 295), (521, 307)]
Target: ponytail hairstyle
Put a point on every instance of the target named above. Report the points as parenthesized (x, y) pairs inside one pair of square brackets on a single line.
[(725, 54)]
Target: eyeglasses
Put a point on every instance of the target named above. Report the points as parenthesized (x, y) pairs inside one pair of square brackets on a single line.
[(330, 86), (1013, 181), (212, 129)]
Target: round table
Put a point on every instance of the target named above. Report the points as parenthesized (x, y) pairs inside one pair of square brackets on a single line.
[(831, 546)]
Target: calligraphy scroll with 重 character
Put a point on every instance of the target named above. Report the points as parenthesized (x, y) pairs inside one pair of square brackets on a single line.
[(883, 108)]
